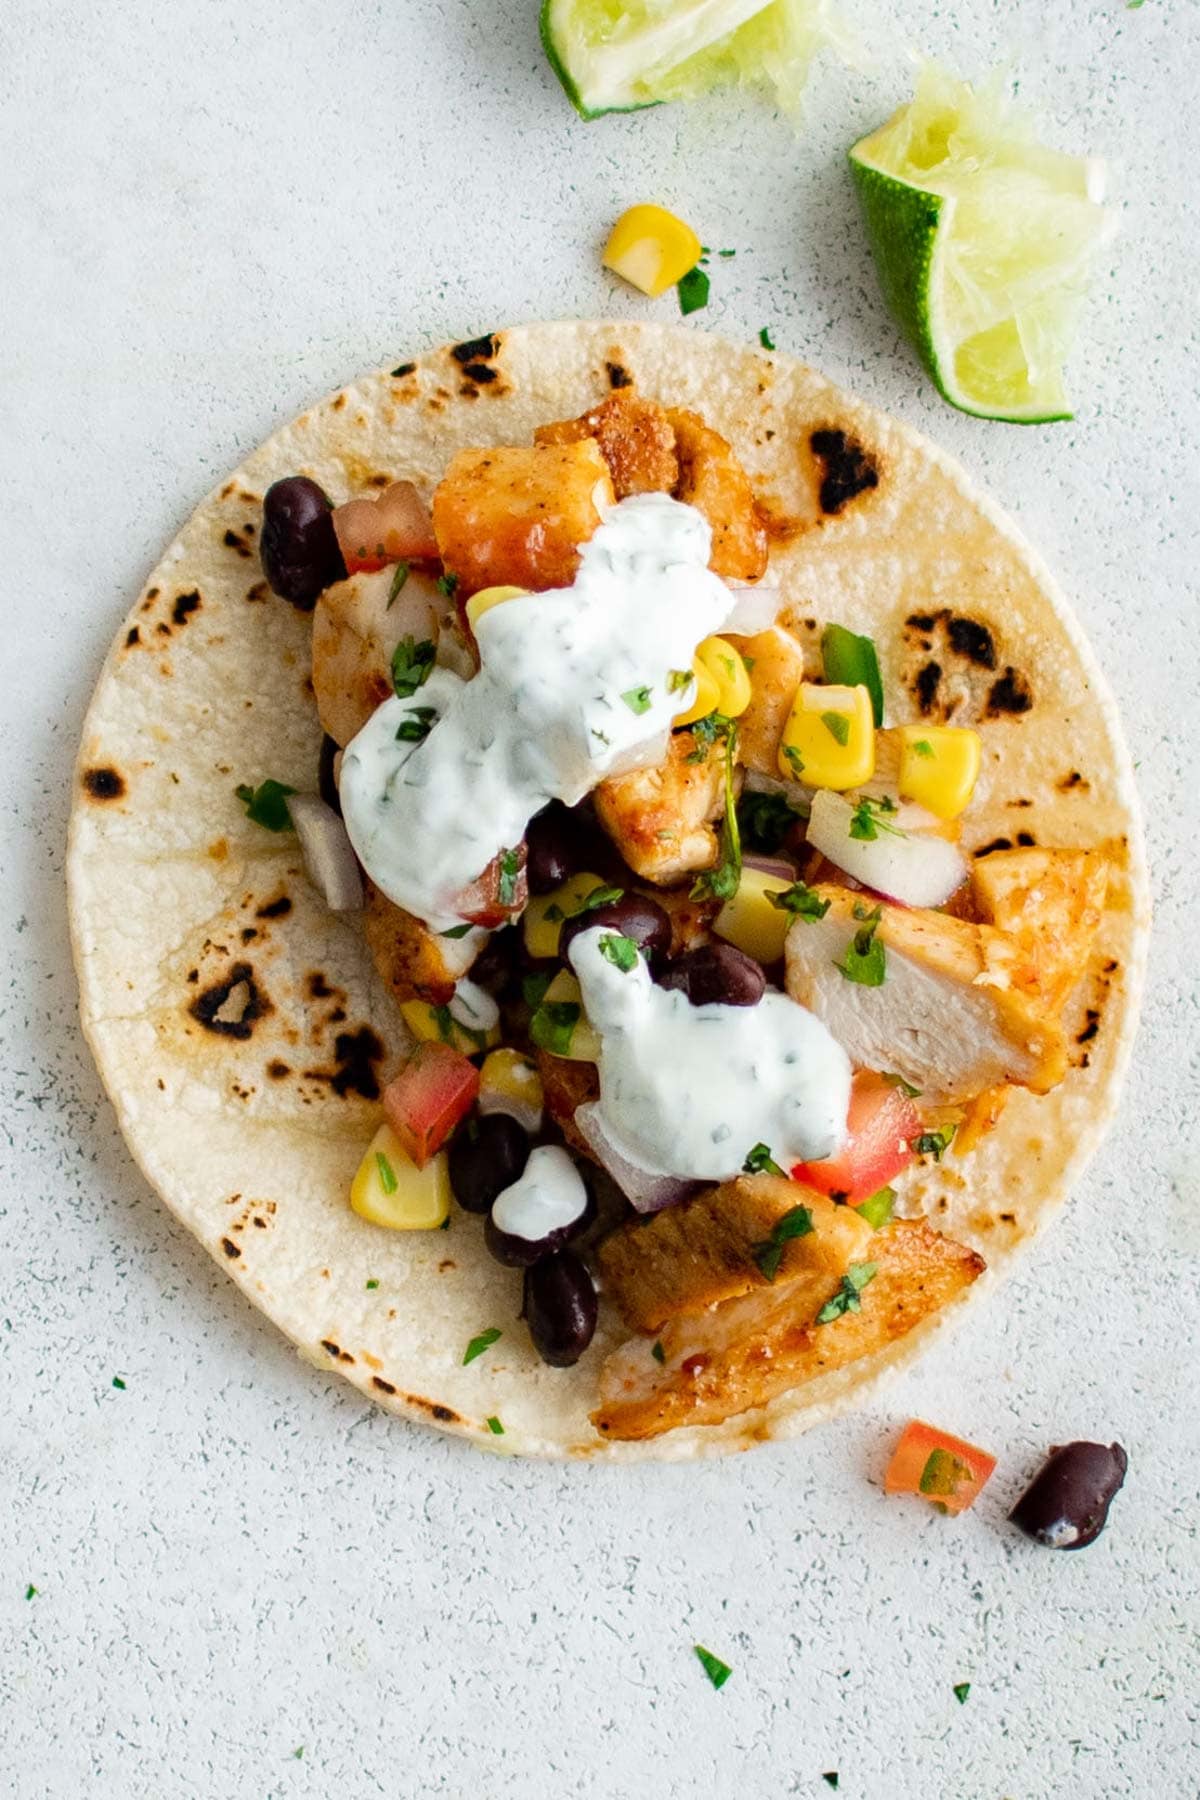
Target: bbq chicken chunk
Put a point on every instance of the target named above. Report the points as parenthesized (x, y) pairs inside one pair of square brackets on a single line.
[(516, 517), (660, 819)]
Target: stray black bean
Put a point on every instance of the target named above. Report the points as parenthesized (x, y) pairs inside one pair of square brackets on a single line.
[(1066, 1504)]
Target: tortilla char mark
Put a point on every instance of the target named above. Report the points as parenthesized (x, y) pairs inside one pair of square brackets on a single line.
[(953, 669), (848, 469), (104, 783), (233, 1006), (355, 1055)]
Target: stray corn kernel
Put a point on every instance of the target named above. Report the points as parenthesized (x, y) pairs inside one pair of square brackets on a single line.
[(652, 249), (509, 1083), (829, 739), (727, 669), (579, 1041), (390, 1190), (544, 917), (705, 695), (488, 597), (939, 766), (749, 922), (448, 1025)]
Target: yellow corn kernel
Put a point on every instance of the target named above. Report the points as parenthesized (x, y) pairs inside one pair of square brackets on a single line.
[(582, 1044), (829, 739), (749, 922), (651, 248), (705, 695), (447, 1025), (486, 598), (544, 917), (509, 1083), (390, 1190), (939, 766), (727, 669)]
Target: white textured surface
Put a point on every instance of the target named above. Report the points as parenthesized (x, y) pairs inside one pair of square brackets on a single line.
[(210, 214)]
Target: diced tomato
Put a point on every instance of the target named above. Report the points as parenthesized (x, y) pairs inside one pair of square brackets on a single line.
[(499, 894), (396, 527), (880, 1126), (436, 1088), (945, 1469)]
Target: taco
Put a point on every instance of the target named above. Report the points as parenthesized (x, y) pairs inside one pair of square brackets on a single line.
[(737, 894)]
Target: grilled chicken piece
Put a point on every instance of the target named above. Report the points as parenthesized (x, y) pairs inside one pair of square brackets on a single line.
[(743, 1353), (1051, 902), (695, 1255), (660, 819), (567, 1085), (355, 631), (414, 962), (518, 516), (949, 1017), (713, 480), (635, 438), (777, 671)]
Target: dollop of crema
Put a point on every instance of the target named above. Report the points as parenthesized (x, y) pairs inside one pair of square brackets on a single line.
[(575, 685), (548, 1196), (690, 1090)]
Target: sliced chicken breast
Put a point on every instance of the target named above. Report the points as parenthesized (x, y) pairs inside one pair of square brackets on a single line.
[(661, 819), (950, 1017), (1051, 902), (743, 1353)]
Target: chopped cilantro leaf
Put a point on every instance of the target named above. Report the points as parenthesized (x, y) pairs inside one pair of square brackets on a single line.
[(795, 1223), (693, 291), (267, 805), (963, 1688), (722, 883), (31, 1592), (479, 1344), (509, 870), (934, 1143), (866, 961), (761, 1162), (678, 679), (387, 1175), (417, 725), (846, 1300), (298, 1752), (764, 337), (765, 820), (906, 1087), (495, 1427), (372, 1284), (533, 988), (794, 759), (867, 822), (619, 950), (838, 726), (831, 1776), (398, 581), (801, 901), (658, 1353), (455, 931), (726, 252), (718, 1672), (923, 747), (553, 1025), (411, 663), (448, 585), (599, 896), (637, 699), (118, 1383)]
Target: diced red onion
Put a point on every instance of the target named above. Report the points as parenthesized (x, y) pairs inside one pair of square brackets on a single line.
[(775, 866), (916, 868), (645, 1191), (328, 854), (754, 609)]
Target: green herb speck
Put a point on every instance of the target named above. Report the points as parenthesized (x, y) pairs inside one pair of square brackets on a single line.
[(479, 1344), (718, 1672)]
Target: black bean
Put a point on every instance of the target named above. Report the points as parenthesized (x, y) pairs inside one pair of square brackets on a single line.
[(495, 968), (716, 974), (485, 1157), (298, 545), (521, 1253), (635, 916), (560, 1308), (1066, 1504), (552, 848), (326, 785)]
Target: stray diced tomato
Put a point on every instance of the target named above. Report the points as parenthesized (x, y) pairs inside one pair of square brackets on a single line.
[(880, 1126), (499, 894), (396, 527), (436, 1088), (945, 1469)]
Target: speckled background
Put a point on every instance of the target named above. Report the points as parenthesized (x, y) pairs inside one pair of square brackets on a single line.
[(248, 1582)]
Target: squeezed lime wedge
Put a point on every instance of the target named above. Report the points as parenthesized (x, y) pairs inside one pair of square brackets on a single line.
[(984, 241), (618, 55)]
